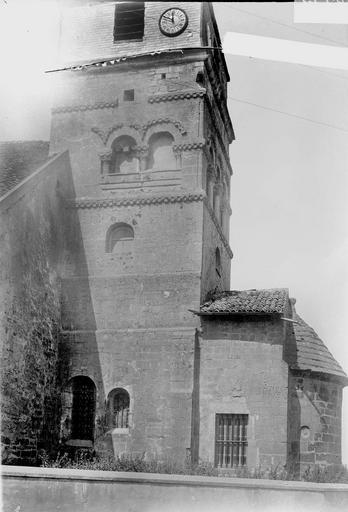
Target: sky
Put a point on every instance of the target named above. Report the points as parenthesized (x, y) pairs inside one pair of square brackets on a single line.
[(289, 219)]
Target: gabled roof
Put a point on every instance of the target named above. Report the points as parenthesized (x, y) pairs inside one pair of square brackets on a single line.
[(255, 302), (312, 353), (19, 159)]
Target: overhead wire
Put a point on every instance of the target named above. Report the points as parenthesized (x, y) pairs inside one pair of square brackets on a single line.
[(288, 114), (284, 25)]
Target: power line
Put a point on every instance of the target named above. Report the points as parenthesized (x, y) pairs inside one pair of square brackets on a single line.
[(311, 68), (285, 25), (289, 114)]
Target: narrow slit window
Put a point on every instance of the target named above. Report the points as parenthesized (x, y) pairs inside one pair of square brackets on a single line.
[(231, 440), (129, 21)]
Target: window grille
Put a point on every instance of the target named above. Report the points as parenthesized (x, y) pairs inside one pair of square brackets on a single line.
[(120, 409), (83, 408), (231, 440), (129, 21)]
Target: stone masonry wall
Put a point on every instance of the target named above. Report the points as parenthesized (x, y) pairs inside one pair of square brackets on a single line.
[(126, 314), (35, 227), (242, 372), (314, 420), (155, 367)]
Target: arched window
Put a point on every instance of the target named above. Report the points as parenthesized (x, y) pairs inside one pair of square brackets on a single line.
[(118, 408), (119, 236), (83, 408), (218, 262), (124, 158), (161, 155)]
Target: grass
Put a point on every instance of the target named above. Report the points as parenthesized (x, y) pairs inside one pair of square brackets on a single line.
[(138, 464)]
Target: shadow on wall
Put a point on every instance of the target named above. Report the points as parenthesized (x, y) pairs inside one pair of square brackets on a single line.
[(83, 400), (44, 250)]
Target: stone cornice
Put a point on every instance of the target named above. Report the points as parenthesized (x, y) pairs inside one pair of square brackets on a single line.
[(189, 146), (218, 227), (135, 201), (82, 108), (174, 96)]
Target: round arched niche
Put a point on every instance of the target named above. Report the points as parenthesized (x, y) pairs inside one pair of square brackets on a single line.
[(305, 432), (119, 238)]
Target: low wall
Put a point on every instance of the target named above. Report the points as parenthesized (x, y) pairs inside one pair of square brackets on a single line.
[(28, 489)]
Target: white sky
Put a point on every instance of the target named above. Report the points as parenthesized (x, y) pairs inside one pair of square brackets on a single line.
[(289, 189)]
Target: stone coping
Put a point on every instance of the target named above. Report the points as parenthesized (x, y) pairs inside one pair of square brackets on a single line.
[(26, 472)]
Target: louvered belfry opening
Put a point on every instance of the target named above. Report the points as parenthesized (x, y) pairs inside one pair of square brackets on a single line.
[(129, 21), (231, 440), (83, 408)]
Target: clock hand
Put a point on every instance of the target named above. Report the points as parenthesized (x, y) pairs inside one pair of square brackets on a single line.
[(168, 18)]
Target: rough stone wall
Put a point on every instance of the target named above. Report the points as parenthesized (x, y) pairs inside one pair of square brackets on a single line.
[(35, 227), (314, 420), (242, 371)]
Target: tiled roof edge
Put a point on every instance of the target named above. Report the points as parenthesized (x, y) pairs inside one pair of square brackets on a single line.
[(32, 176)]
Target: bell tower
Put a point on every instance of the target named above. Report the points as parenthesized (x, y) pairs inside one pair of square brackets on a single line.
[(141, 108)]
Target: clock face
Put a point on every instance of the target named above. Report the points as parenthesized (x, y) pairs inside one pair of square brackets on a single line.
[(173, 22)]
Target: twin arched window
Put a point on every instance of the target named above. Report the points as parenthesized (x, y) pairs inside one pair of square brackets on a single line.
[(125, 157), (119, 236), (118, 408)]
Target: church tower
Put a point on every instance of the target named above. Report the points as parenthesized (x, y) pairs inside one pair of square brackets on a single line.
[(141, 107)]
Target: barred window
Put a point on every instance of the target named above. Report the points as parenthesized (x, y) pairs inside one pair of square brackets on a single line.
[(129, 21), (118, 406), (231, 440), (83, 408)]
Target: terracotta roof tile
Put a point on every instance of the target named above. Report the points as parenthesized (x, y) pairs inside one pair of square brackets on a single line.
[(247, 302), (312, 353), (19, 159)]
